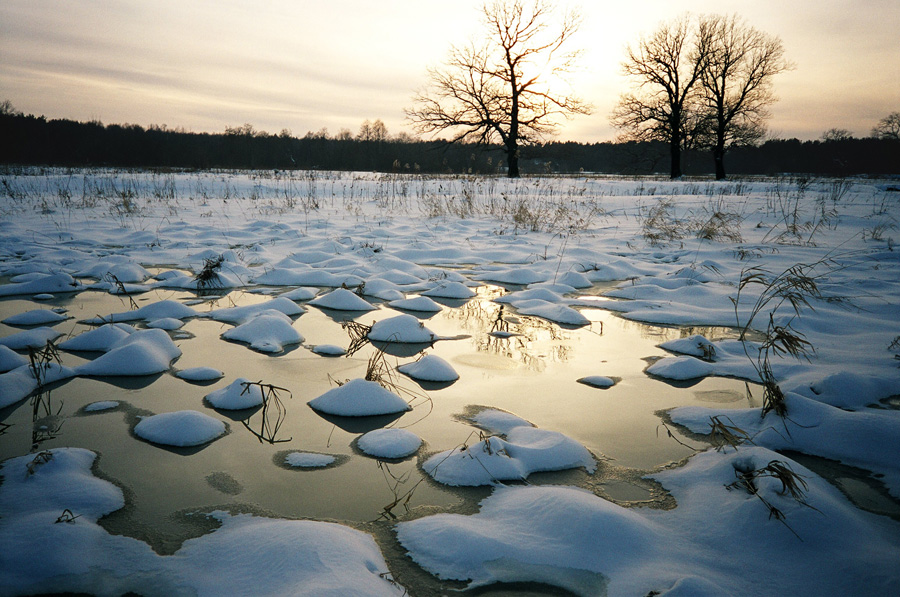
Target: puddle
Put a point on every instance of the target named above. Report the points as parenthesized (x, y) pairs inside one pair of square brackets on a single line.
[(533, 374)]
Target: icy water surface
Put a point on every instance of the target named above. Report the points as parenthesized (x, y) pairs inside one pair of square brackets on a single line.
[(533, 374)]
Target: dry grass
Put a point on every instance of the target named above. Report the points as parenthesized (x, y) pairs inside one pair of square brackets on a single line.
[(273, 412)]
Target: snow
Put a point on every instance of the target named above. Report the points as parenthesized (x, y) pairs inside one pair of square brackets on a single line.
[(430, 368), (308, 460), (185, 428), (389, 443), (10, 359), (240, 394), (239, 315), (598, 381), (268, 331), (101, 406), (200, 374), (45, 283), (525, 450), (404, 329), (100, 339), (841, 402), (145, 352), (449, 290), (158, 310), (34, 338), (359, 398), (35, 317), (342, 299), (422, 304), (300, 557), (329, 350), (166, 323)]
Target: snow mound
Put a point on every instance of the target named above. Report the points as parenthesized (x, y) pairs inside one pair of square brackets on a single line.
[(308, 459), (450, 290), (695, 346), (237, 396), (268, 331), (101, 339), (166, 323), (560, 536), (330, 350), (598, 381), (520, 276), (680, 368), (33, 338), (10, 359), (183, 428), (359, 398), (342, 299), (124, 271), (145, 352), (200, 374), (525, 450), (18, 383), (430, 368), (304, 293), (420, 303), (159, 310), (401, 329), (389, 443), (35, 317), (43, 284), (239, 315), (100, 406), (552, 312), (575, 280)]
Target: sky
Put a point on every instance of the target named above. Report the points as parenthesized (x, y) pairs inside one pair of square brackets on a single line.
[(300, 65)]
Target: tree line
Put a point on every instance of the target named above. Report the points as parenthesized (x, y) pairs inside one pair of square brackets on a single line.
[(36, 140)]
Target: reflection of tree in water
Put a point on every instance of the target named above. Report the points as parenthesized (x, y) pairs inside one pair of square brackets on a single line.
[(529, 336)]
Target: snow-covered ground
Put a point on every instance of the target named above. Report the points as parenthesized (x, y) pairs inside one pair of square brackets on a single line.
[(808, 266)]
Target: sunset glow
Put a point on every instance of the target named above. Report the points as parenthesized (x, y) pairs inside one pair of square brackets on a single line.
[(307, 66)]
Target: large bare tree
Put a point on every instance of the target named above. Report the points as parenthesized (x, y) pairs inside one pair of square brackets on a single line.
[(737, 82), (666, 68), (503, 89), (888, 127)]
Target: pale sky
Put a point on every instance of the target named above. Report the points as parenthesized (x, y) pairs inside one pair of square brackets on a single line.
[(301, 65)]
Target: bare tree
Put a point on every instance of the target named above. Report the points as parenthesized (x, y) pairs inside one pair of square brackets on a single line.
[(737, 82), (836, 134), (665, 106), (499, 91), (888, 127)]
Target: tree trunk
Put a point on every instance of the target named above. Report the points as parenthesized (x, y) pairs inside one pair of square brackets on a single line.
[(675, 152), (512, 159), (719, 158)]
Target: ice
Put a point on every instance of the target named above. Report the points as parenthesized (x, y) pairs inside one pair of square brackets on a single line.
[(389, 443), (359, 398), (430, 368), (238, 395), (185, 428), (101, 406)]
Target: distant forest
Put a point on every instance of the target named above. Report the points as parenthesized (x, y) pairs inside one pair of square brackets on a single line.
[(37, 141)]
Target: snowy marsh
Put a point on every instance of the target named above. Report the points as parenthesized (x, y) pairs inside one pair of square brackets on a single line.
[(382, 366)]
